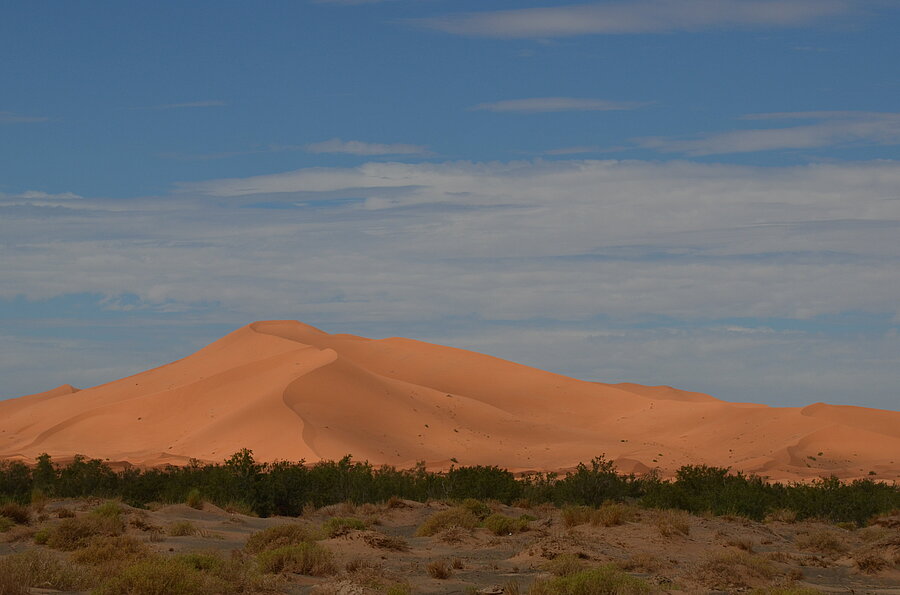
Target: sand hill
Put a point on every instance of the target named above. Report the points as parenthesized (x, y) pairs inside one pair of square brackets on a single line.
[(290, 391)]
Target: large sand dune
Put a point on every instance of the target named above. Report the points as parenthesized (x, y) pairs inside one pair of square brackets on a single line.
[(289, 391)]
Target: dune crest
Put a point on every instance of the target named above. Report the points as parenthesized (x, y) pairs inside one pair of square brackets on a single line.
[(290, 391)]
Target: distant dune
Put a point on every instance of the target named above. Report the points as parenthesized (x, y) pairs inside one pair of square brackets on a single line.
[(289, 391)]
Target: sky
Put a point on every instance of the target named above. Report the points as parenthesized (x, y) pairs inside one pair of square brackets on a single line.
[(697, 193)]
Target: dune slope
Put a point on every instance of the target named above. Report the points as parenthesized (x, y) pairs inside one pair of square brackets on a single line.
[(290, 391)]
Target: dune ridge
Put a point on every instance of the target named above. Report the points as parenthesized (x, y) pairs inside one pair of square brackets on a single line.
[(290, 391)]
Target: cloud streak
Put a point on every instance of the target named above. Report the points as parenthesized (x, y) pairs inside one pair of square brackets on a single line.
[(14, 118), (355, 147), (833, 129), (642, 16), (536, 105)]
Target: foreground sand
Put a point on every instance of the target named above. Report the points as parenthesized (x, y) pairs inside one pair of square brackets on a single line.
[(289, 391), (676, 552)]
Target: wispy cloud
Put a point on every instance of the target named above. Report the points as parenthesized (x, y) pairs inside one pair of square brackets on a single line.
[(355, 147), (187, 104), (641, 16), (536, 105), (14, 118), (832, 129)]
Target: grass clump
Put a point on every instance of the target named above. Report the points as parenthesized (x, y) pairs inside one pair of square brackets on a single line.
[(306, 558), (194, 499), (734, 569), (602, 580), (614, 513), (500, 524), (182, 529), (476, 507), (6, 524), (439, 569), (452, 517), (672, 522), (111, 551), (572, 516), (564, 565), (822, 541), (75, 533), (162, 576), (17, 513), (277, 537), (240, 573), (339, 525), (20, 572)]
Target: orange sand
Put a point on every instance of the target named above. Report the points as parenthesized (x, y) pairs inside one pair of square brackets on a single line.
[(289, 391)]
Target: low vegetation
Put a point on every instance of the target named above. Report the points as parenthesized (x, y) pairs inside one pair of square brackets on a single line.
[(285, 488), (601, 580)]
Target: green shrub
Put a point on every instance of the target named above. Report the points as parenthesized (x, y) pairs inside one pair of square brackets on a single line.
[(75, 533), (194, 499), (338, 525), (278, 536), (110, 510), (305, 558), (42, 536), (500, 524), (161, 576), (602, 580), (37, 568), (476, 507), (445, 519)]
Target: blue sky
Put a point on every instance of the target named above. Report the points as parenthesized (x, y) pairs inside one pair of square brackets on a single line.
[(700, 193)]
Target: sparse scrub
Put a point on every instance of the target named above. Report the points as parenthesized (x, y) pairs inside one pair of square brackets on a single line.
[(65, 513), (109, 510), (572, 516), (439, 569), (277, 537), (445, 519), (305, 558), (564, 565), (20, 572), (337, 526), (6, 524), (869, 562), (602, 580), (642, 562), (110, 551), (611, 514), (182, 529), (500, 524), (476, 507), (386, 542), (16, 513), (75, 533)]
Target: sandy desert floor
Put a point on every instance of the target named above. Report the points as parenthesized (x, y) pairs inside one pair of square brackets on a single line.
[(673, 551)]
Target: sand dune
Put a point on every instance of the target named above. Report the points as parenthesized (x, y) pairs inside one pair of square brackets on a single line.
[(290, 391)]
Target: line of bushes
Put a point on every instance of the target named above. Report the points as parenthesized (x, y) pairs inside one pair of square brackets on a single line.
[(284, 488)]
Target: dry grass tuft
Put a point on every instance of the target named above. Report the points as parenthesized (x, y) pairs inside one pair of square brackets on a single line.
[(734, 569), (564, 565), (386, 542), (20, 572), (439, 570), (672, 522), (602, 580), (72, 534), (111, 551), (16, 513), (822, 541), (337, 526), (305, 558), (445, 519), (642, 562), (614, 513), (277, 537), (182, 529)]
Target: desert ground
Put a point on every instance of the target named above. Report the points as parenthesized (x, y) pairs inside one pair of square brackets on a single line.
[(289, 391), (382, 549)]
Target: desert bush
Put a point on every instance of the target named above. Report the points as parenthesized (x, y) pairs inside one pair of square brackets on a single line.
[(240, 573), (305, 558), (452, 517), (181, 529), (476, 507), (672, 522), (336, 526), (110, 510), (194, 499), (6, 524), (16, 513), (822, 541), (20, 572), (439, 569), (41, 536), (161, 576), (734, 569), (564, 565), (601, 580), (65, 513), (278, 536), (75, 533), (589, 485), (500, 524), (869, 562)]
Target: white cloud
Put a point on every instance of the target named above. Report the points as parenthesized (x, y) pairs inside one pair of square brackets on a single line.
[(555, 104), (355, 147), (556, 244), (186, 104), (14, 118), (833, 129), (641, 16)]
